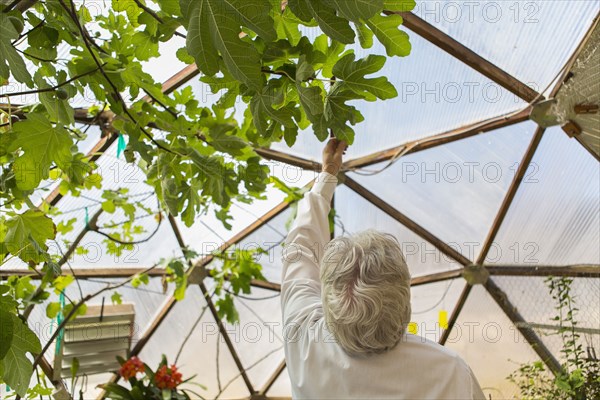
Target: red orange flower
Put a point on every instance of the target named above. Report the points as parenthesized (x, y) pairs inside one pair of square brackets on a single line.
[(167, 378), (131, 367)]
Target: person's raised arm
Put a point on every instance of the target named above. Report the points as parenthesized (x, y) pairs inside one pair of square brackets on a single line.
[(309, 235)]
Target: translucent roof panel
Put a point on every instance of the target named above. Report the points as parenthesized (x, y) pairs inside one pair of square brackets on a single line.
[(555, 214), (531, 40), (421, 256), (454, 190), (489, 342), (269, 237)]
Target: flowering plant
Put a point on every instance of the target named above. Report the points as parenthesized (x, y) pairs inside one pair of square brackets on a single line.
[(146, 384)]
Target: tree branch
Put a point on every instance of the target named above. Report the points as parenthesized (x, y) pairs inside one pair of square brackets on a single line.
[(155, 16), (73, 13)]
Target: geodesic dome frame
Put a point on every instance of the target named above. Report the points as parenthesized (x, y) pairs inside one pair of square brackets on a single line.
[(496, 279)]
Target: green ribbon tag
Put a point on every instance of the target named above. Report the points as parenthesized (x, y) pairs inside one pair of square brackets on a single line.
[(121, 145)]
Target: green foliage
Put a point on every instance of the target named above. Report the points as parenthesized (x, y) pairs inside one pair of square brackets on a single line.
[(579, 378), (233, 274), (17, 367)]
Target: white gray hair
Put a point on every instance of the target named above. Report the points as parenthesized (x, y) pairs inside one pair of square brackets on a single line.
[(365, 292)]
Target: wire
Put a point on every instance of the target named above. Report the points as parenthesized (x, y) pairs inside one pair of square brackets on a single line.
[(436, 304), (239, 296)]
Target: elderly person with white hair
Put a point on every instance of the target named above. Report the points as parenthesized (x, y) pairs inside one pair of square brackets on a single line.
[(346, 307)]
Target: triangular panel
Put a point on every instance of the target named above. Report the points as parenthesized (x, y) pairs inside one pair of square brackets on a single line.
[(514, 35), (555, 215)]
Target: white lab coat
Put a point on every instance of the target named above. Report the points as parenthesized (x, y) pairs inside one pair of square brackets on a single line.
[(319, 368)]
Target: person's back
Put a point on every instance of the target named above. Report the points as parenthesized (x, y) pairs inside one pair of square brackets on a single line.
[(346, 304)]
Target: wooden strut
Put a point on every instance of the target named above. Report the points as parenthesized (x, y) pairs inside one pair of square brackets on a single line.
[(226, 338), (453, 135), (455, 313), (269, 383)]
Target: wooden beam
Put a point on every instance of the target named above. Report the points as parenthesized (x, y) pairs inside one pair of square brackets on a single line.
[(532, 338), (575, 271), (275, 155), (436, 140), (467, 56), (406, 221), (227, 339), (558, 328), (436, 277), (455, 313), (510, 194), (269, 383)]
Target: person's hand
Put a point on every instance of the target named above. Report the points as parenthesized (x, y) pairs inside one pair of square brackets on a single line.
[(332, 156)]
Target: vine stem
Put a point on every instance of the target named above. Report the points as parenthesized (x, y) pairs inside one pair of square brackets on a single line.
[(73, 14), (53, 88)]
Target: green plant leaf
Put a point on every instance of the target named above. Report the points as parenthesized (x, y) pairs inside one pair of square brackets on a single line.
[(355, 10), (27, 234), (386, 30), (116, 298), (365, 35), (352, 73), (6, 332), (17, 367), (10, 60), (42, 144), (335, 27), (52, 310), (214, 28)]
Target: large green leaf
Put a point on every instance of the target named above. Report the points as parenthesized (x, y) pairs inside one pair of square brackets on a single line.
[(214, 27), (386, 29), (355, 10), (352, 73), (265, 112), (311, 98), (335, 27), (17, 367), (41, 144), (6, 332), (27, 234), (11, 61)]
